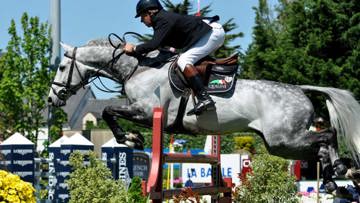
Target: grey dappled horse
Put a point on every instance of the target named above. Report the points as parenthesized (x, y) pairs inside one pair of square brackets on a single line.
[(280, 113)]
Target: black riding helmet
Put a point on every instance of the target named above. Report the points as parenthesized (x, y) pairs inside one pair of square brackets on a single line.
[(144, 5)]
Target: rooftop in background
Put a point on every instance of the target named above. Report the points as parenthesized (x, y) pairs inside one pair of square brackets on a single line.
[(83, 102)]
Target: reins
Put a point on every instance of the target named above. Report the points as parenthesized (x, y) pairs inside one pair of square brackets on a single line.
[(123, 40), (68, 88)]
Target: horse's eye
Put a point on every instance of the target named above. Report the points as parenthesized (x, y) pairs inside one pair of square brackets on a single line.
[(61, 68)]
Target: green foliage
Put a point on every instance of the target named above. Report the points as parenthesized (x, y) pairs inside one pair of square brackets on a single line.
[(270, 182), (59, 117), (309, 42), (245, 143), (25, 78), (135, 191), (93, 182)]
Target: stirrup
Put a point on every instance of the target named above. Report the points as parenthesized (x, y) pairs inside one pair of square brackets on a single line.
[(201, 106)]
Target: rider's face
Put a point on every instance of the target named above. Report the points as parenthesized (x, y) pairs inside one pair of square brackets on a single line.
[(146, 19)]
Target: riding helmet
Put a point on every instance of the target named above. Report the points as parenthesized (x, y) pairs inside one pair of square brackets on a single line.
[(145, 5)]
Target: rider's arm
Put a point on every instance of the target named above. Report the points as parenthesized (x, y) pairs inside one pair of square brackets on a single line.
[(161, 30)]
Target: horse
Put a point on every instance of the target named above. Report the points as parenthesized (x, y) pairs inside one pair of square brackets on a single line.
[(280, 113)]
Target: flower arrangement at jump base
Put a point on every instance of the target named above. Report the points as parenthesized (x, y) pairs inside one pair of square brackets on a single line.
[(14, 190)]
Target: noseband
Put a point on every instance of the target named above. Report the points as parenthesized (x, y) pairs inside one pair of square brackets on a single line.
[(68, 88)]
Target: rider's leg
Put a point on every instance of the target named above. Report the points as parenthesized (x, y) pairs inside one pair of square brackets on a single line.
[(204, 100), (206, 45)]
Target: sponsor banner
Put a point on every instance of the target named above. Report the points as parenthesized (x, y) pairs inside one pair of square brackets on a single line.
[(19, 159), (124, 164), (54, 168), (141, 165), (17, 152), (107, 153), (201, 173)]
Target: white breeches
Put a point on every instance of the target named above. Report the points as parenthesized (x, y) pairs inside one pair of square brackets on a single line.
[(205, 46)]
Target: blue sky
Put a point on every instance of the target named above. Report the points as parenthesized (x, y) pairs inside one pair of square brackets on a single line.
[(83, 20)]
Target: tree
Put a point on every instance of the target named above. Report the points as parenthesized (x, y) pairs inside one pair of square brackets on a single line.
[(25, 78), (310, 42)]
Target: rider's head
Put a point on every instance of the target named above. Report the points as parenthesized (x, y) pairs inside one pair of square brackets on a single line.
[(147, 8)]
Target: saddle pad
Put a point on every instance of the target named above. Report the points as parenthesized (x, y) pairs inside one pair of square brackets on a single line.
[(218, 83)]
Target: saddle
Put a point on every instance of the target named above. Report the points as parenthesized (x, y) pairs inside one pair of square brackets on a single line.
[(219, 75)]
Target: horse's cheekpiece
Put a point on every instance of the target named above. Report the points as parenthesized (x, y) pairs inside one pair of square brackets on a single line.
[(219, 75)]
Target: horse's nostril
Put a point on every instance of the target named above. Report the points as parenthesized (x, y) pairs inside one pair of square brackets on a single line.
[(49, 100)]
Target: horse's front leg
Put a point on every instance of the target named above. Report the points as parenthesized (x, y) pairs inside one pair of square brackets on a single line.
[(112, 113)]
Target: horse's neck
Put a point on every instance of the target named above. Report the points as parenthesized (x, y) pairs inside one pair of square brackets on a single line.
[(94, 54), (99, 58)]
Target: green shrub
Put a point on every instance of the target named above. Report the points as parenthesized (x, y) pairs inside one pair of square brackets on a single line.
[(245, 143), (269, 182), (94, 182), (135, 191)]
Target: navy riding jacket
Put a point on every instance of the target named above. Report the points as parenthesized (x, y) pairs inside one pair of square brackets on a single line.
[(174, 30)]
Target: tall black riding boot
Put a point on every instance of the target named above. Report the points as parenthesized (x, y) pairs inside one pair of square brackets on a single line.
[(204, 100)]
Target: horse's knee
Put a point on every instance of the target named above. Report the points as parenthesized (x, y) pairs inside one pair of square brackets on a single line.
[(107, 113)]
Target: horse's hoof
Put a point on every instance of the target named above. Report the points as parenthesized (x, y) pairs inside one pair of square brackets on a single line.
[(330, 187), (135, 136), (134, 145), (120, 137)]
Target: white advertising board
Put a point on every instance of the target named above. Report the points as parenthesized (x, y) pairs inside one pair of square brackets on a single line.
[(201, 173)]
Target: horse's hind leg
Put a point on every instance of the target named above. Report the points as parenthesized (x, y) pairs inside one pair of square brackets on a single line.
[(328, 155), (327, 170)]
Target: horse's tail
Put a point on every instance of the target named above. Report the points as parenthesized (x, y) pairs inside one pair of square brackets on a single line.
[(344, 112)]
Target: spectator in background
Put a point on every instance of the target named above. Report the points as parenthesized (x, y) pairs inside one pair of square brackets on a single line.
[(319, 124)]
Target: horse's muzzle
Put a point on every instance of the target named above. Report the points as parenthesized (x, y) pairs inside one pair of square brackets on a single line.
[(56, 103)]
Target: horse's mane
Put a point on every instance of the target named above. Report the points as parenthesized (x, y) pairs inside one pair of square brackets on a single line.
[(101, 43)]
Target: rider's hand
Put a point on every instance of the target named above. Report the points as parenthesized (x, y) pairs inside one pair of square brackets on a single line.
[(129, 48)]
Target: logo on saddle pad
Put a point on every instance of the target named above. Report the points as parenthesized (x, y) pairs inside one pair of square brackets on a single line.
[(220, 83)]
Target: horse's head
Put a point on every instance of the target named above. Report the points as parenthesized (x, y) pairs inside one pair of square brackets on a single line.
[(96, 58), (70, 76)]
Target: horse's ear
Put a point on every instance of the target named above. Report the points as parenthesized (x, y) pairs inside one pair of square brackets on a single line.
[(66, 47)]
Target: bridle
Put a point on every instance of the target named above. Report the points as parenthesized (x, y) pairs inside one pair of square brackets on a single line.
[(68, 89)]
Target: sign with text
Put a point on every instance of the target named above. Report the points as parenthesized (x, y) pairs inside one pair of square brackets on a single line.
[(141, 165), (201, 173)]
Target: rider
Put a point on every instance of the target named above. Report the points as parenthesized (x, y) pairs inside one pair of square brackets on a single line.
[(195, 36)]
